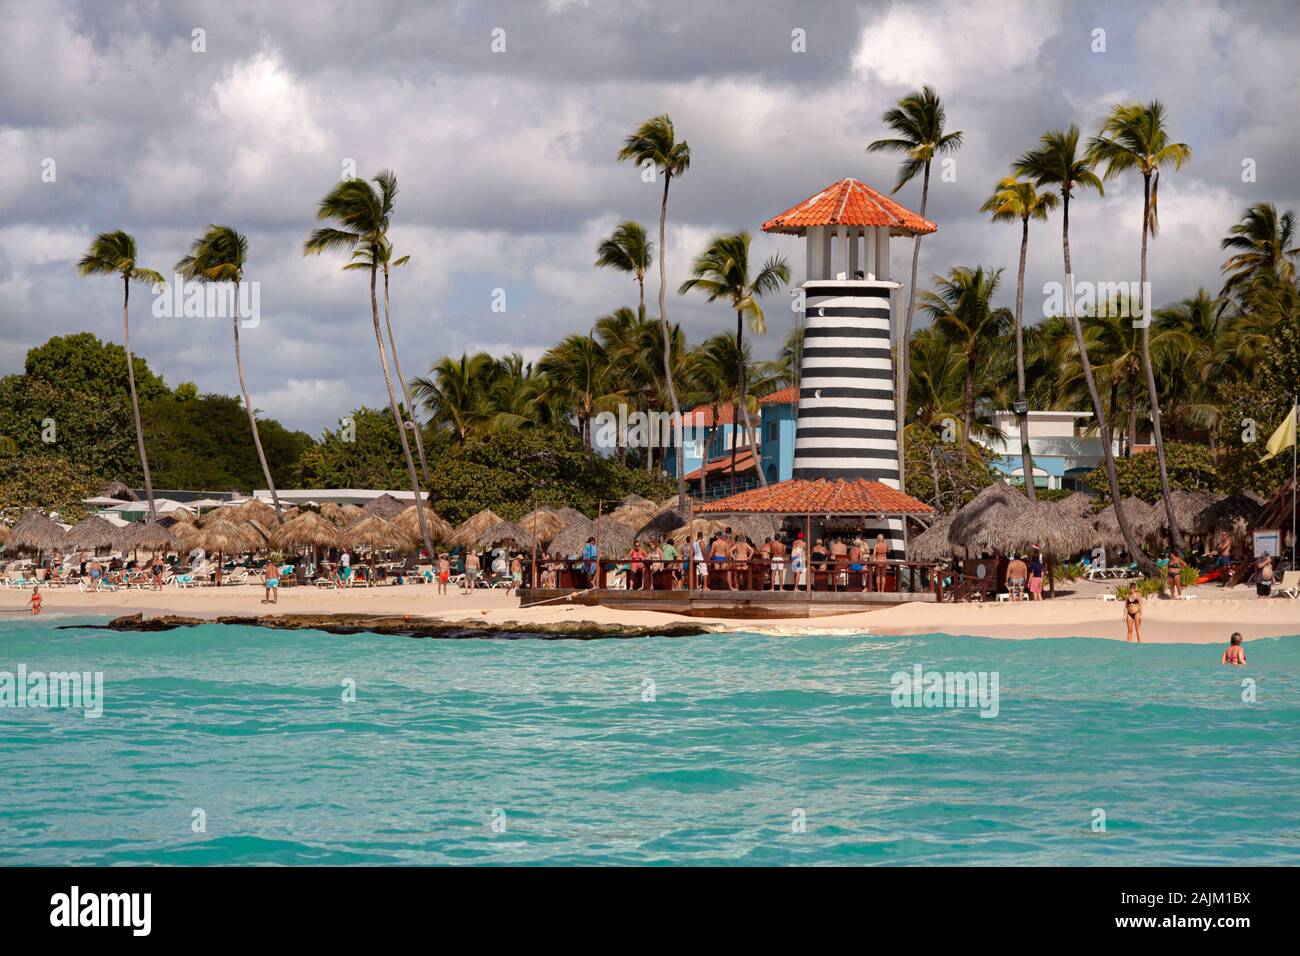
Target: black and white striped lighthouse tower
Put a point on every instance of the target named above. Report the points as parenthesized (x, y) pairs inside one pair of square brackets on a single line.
[(847, 415)]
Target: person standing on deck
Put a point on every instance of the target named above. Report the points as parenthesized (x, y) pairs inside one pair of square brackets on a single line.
[(697, 560), (778, 564)]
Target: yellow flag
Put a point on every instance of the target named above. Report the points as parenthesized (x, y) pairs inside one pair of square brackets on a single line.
[(1283, 438)]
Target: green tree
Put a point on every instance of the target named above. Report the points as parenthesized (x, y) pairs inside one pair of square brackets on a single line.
[(628, 250), (1189, 467), (654, 145), (917, 122), (1261, 243)]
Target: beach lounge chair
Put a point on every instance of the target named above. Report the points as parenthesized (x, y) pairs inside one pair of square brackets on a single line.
[(1289, 586)]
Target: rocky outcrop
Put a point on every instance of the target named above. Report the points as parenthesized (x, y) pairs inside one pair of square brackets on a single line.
[(405, 626)]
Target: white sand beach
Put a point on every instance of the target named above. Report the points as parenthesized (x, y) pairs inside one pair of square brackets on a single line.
[(1207, 619)]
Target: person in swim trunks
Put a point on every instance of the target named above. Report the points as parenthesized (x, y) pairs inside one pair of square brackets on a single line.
[(1133, 615), (272, 588)]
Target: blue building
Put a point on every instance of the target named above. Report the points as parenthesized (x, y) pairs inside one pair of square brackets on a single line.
[(708, 444)]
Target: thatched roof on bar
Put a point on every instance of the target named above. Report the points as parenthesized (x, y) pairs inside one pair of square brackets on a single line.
[(469, 530), (385, 506), (94, 533), (373, 533), (504, 533), (118, 490), (1233, 513), (615, 538), (986, 522), (932, 544), (820, 496), (306, 530), (150, 536), (35, 532), (408, 522)]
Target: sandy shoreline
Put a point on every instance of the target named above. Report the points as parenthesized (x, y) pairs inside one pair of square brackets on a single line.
[(1207, 620)]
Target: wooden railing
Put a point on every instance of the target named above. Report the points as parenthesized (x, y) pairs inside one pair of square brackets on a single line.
[(756, 574)]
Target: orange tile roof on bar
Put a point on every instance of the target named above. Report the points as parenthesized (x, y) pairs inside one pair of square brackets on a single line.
[(849, 203), (820, 496)]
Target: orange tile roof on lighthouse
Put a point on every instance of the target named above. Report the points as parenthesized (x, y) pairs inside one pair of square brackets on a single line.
[(849, 203)]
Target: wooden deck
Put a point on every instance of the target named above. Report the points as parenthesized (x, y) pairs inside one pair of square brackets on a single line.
[(735, 604)]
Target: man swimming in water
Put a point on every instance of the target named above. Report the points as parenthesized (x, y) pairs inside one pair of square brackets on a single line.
[(1234, 654)]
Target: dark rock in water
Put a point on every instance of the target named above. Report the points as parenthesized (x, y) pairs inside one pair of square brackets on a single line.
[(404, 626)]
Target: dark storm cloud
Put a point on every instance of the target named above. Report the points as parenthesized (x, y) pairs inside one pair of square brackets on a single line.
[(507, 160)]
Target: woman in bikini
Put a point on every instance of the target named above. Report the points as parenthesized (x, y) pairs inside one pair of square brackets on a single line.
[(1133, 615)]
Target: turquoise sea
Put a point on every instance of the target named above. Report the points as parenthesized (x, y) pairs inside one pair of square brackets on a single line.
[(746, 749)]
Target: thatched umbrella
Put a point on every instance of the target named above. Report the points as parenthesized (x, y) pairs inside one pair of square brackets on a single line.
[(545, 523), (375, 534), (684, 535), (4, 533), (118, 491), (306, 530), (179, 516), (503, 532), (614, 537), (1142, 518), (471, 528), (634, 511), (1232, 513), (1076, 504), (663, 523), (223, 537), (151, 536), (351, 513), (409, 522), (385, 506), (332, 511), (1057, 530), (932, 544), (253, 508), (985, 523), (94, 533), (1188, 506), (258, 533), (37, 533)]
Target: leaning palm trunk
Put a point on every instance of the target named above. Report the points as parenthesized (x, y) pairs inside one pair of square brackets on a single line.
[(1175, 536), (668, 346), (397, 416), (905, 343), (1022, 417), (252, 416), (406, 389), (135, 400), (744, 413), (1103, 426)]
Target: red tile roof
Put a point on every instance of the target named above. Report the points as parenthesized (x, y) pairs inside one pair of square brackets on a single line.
[(784, 396), (744, 462), (849, 203), (820, 496), (702, 415)]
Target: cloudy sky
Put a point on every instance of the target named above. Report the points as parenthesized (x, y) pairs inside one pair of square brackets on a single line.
[(506, 160)]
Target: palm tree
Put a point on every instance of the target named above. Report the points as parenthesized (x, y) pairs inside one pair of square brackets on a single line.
[(1057, 162), (113, 253), (961, 308), (654, 143), (1018, 199), (722, 272), (384, 254), (1262, 242), (917, 122), (1134, 137), (628, 250), (710, 383), (576, 371), (219, 255), (454, 393), (364, 214)]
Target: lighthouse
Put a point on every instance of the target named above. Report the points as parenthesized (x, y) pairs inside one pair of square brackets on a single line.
[(847, 414)]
